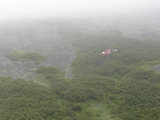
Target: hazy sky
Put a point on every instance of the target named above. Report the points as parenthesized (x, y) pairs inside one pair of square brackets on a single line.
[(37, 8)]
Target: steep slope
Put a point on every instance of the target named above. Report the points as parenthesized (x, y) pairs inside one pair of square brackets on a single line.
[(38, 37)]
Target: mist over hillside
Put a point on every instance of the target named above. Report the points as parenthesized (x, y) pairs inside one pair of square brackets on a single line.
[(56, 68), (54, 38), (39, 37)]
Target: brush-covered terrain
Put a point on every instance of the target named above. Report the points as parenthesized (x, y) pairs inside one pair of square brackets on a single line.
[(36, 56)]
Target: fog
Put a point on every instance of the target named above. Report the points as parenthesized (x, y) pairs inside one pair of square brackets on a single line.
[(39, 26), (18, 9), (79, 60)]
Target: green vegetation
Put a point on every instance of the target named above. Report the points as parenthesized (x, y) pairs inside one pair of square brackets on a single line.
[(130, 87), (20, 55), (22, 100), (122, 86)]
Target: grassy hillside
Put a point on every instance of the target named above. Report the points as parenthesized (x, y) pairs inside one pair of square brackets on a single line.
[(123, 81), (116, 87), (122, 86)]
